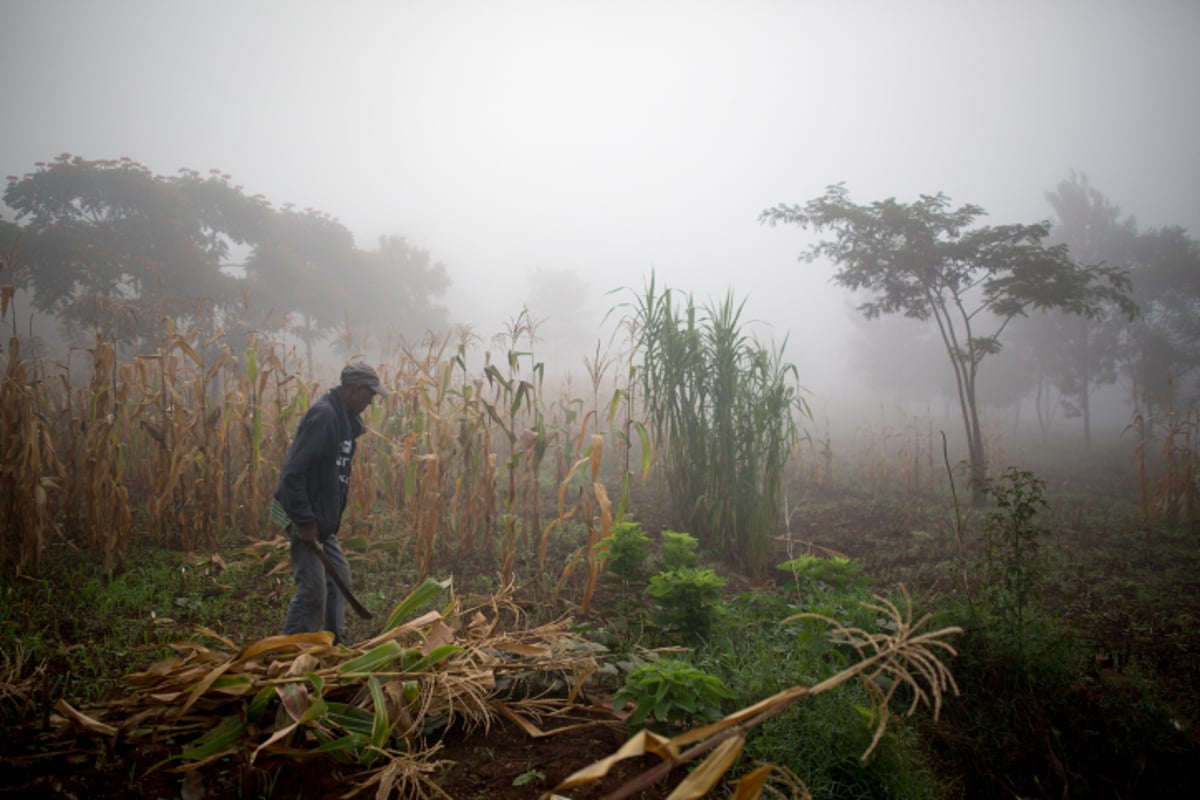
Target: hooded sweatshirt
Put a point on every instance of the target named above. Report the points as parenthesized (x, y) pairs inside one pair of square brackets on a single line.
[(315, 480)]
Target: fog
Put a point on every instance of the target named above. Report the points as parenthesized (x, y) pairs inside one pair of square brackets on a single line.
[(609, 140)]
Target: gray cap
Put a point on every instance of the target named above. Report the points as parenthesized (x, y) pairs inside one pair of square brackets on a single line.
[(359, 374)]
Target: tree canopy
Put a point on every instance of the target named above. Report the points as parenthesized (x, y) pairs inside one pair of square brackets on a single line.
[(96, 236), (107, 244), (925, 261), (1155, 353)]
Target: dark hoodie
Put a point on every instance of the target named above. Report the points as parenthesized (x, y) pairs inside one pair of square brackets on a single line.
[(315, 480)]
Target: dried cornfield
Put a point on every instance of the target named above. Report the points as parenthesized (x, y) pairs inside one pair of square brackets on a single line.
[(185, 444), (1167, 459)]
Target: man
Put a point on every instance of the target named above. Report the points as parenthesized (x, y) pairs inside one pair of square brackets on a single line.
[(313, 487)]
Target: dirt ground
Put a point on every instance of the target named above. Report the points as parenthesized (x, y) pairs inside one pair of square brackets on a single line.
[(894, 541), (502, 764)]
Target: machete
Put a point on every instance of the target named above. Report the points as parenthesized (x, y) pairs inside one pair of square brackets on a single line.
[(358, 607)]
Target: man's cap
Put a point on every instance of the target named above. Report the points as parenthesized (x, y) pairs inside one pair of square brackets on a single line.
[(359, 374)]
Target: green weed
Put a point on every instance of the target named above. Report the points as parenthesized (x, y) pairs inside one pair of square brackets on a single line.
[(670, 693), (689, 600)]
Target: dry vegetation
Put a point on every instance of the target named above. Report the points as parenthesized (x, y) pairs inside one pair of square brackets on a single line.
[(181, 448)]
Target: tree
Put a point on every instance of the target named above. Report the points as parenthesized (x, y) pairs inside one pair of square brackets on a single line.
[(1081, 353), (1161, 350), (304, 264), (110, 245), (403, 281), (563, 300), (922, 259), (1157, 351)]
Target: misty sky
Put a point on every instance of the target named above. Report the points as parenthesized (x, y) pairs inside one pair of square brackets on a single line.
[(614, 138)]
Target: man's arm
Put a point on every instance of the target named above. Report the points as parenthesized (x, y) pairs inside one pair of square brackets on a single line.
[(316, 441)]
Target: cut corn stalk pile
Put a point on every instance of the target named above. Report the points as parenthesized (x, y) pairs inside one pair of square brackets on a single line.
[(372, 706), (380, 706)]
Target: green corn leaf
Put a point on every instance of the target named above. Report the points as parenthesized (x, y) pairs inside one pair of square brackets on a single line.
[(381, 726), (343, 748), (522, 389), (493, 374), (376, 659), (435, 656), (415, 599), (412, 693), (349, 718), (252, 361), (647, 450), (496, 418), (217, 740), (254, 712)]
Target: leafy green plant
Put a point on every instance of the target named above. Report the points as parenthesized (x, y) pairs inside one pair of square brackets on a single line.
[(530, 775), (689, 600), (1012, 567), (838, 573), (671, 693), (678, 550), (625, 553)]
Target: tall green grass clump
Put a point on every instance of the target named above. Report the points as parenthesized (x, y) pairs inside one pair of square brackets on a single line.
[(725, 411)]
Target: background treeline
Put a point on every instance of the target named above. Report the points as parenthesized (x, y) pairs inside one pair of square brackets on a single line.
[(107, 245), (1054, 364)]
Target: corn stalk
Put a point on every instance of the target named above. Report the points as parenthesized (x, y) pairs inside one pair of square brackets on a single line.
[(906, 657), (30, 472)]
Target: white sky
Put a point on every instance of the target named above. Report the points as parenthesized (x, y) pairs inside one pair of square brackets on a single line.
[(613, 138)]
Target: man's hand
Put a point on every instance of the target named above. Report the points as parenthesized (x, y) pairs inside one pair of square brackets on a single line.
[(308, 534)]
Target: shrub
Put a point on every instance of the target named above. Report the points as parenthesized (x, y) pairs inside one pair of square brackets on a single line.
[(689, 600), (1012, 569), (837, 573), (678, 550), (671, 693), (625, 554)]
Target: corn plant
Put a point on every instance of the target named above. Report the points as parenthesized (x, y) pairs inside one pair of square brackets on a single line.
[(30, 472), (102, 468), (193, 436), (1173, 495), (594, 509)]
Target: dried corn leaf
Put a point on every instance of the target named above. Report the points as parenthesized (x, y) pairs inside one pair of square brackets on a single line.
[(750, 785), (92, 724), (704, 777), (641, 743)]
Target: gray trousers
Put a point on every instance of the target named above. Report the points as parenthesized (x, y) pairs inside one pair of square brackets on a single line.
[(318, 604)]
